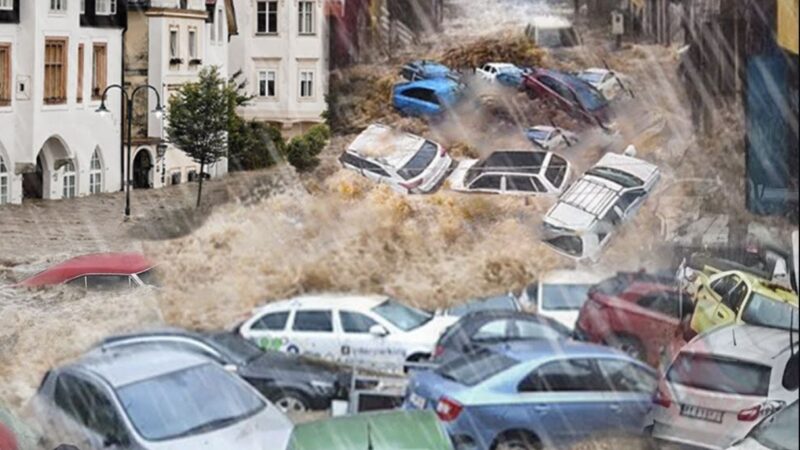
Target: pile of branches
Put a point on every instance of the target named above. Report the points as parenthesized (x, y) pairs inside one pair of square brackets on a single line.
[(516, 49)]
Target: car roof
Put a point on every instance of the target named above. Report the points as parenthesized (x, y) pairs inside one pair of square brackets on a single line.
[(743, 342), (571, 277), (597, 70), (328, 301), (633, 166), (122, 366), (381, 141), (541, 349), (584, 202), (156, 332), (500, 65), (528, 162), (95, 263), (438, 85)]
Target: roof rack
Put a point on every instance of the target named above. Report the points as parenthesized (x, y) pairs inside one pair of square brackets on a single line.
[(590, 196)]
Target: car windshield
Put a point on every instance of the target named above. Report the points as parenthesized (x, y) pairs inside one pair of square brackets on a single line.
[(538, 134), (564, 297), (623, 179), (150, 277), (476, 367), (768, 312), (589, 97), (502, 302), (780, 431), (571, 245), (187, 402), (401, 316), (419, 162), (237, 348), (591, 77), (718, 374)]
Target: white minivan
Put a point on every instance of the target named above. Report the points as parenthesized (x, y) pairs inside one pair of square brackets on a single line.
[(375, 332), (559, 294)]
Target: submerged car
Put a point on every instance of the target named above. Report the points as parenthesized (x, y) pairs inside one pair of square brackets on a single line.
[(513, 173), (405, 162), (395, 430), (536, 394), (550, 138), (722, 383), (608, 82), (637, 313), (504, 302), (491, 71), (156, 399), (577, 97), (593, 208), (426, 98), (778, 431), (293, 383), (559, 294), (551, 32), (739, 297), (426, 70), (98, 272), (480, 329), (375, 332)]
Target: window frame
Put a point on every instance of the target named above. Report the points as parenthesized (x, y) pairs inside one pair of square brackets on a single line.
[(484, 176), (69, 190), (310, 17), (344, 329), (5, 74), (191, 43), (95, 174), (60, 67), (287, 313), (534, 376), (267, 14), (298, 312), (58, 6), (174, 50), (5, 188), (111, 11), (266, 80), (306, 78), (81, 67), (99, 69), (6, 5)]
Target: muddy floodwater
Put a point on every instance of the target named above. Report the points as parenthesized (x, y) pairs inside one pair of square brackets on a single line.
[(332, 230)]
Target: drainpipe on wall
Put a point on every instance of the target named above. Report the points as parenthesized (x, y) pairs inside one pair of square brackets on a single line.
[(122, 112)]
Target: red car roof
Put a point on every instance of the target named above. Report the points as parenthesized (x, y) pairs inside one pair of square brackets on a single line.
[(97, 263)]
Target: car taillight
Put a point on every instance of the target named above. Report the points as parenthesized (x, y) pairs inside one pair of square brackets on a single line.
[(448, 409), (749, 414), (411, 185), (661, 398)]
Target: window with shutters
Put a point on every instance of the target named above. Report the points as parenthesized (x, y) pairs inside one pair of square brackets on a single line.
[(55, 71), (99, 70), (5, 74), (306, 17), (79, 88)]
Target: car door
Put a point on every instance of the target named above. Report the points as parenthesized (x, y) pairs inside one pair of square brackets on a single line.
[(731, 303), (487, 183), (708, 298), (629, 389), (374, 172), (269, 330), (565, 401), (312, 332), (630, 201), (361, 348), (420, 101), (523, 185)]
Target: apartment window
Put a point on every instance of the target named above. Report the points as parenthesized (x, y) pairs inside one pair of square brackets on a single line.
[(99, 71), (95, 174), (267, 17), (220, 24), (213, 30), (55, 71), (3, 182), (69, 180), (79, 88), (105, 7), (58, 5), (266, 83), (192, 44), (173, 44), (83, 6), (5, 74), (306, 17), (306, 84), (6, 5)]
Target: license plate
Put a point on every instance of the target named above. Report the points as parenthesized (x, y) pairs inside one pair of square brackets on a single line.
[(696, 412), (417, 401)]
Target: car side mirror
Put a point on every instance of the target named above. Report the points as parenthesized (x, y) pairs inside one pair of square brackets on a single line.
[(378, 331)]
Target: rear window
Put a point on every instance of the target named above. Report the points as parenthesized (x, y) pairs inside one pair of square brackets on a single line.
[(475, 368), (717, 374), (564, 297), (419, 162), (571, 245), (767, 312), (556, 170)]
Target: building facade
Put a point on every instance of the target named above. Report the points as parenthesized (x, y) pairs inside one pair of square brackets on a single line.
[(56, 57), (167, 44), (282, 52)]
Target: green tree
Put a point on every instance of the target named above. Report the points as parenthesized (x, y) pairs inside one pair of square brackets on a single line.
[(302, 151), (197, 120)]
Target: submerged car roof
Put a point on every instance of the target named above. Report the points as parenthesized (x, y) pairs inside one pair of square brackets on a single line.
[(640, 169), (328, 301), (127, 365), (545, 349), (583, 203), (744, 342), (381, 141), (438, 85), (95, 263), (524, 162)]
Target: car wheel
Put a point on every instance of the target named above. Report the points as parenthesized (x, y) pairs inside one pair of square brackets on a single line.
[(290, 402), (629, 345), (517, 441)]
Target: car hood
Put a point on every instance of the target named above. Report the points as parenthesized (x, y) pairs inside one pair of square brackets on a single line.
[(267, 430), (429, 332), (274, 364), (456, 179)]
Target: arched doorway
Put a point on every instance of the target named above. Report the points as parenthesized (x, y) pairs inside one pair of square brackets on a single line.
[(39, 182), (33, 182), (142, 168)]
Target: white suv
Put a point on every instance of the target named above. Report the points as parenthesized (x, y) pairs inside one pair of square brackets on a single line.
[(406, 162), (374, 332), (591, 210), (722, 383)]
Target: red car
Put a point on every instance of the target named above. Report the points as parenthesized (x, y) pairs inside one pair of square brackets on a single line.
[(7, 439), (635, 312), (99, 271), (580, 99)]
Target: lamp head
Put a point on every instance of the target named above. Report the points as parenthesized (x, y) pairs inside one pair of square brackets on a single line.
[(102, 110), (159, 111)]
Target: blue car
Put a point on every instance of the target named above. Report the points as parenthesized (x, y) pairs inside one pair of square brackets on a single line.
[(426, 98), (535, 394), (426, 70)]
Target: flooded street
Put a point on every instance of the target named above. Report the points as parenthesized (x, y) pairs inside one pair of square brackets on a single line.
[(274, 234)]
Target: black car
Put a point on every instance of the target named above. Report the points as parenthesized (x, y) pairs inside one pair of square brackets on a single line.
[(480, 329), (293, 383)]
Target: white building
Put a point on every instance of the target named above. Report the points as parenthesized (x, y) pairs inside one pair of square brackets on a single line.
[(282, 50), (56, 57)]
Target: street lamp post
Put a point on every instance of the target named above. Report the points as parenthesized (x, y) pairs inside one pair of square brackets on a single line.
[(128, 100)]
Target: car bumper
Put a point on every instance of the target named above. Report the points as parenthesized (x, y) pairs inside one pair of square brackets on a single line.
[(695, 438), (436, 175)]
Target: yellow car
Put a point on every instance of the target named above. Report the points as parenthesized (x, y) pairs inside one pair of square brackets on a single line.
[(734, 296)]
